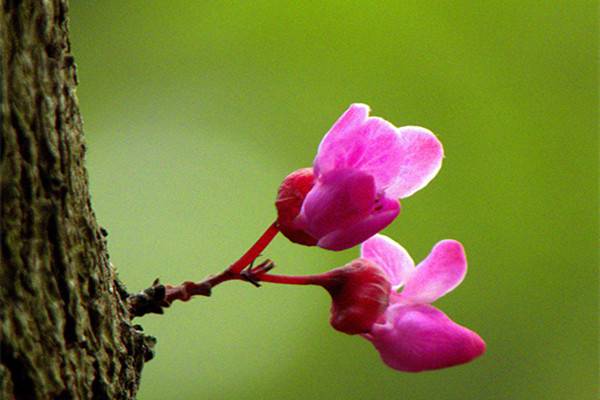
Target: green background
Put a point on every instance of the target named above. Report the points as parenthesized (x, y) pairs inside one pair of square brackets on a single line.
[(195, 111)]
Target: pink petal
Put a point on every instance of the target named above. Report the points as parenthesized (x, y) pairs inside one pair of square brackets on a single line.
[(360, 142), (350, 120), (420, 156), (340, 199), (352, 235), (421, 337), (443, 270), (389, 256)]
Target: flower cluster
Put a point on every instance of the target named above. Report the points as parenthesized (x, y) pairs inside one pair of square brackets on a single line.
[(363, 166)]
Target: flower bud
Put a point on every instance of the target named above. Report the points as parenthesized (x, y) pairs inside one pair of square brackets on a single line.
[(290, 197), (360, 293)]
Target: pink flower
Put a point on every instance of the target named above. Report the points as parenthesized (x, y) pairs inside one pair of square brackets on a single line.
[(363, 166), (412, 335)]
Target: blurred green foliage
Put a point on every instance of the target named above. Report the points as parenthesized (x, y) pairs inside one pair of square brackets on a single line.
[(195, 111)]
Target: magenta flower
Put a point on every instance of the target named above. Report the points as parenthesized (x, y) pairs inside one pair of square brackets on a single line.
[(412, 335), (363, 166), (409, 333)]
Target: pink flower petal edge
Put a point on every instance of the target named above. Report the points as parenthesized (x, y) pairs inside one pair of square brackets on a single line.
[(389, 256), (421, 337), (402, 160), (442, 271), (421, 159), (351, 236)]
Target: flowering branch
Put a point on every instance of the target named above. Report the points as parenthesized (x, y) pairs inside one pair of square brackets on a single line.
[(363, 167), (158, 296)]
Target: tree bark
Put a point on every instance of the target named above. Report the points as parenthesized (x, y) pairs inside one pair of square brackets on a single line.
[(65, 329)]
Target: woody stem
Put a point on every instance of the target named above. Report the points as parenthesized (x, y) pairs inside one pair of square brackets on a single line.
[(188, 289)]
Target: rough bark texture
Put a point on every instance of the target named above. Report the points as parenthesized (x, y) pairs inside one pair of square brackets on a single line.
[(65, 330)]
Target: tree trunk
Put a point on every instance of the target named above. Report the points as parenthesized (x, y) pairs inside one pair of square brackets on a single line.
[(65, 330)]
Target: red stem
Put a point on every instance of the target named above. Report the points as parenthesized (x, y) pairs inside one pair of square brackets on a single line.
[(319, 279), (254, 251), (188, 289)]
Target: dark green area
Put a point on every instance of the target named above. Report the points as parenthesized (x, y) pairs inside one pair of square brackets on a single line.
[(195, 111)]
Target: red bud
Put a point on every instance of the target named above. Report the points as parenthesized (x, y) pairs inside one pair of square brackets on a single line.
[(290, 197), (360, 292)]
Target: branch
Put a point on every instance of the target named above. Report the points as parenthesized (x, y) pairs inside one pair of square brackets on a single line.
[(157, 297)]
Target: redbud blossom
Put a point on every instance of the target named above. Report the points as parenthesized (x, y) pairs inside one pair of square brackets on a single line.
[(360, 293), (413, 335), (362, 167)]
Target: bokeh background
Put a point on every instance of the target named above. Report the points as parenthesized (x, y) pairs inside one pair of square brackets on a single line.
[(195, 111)]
